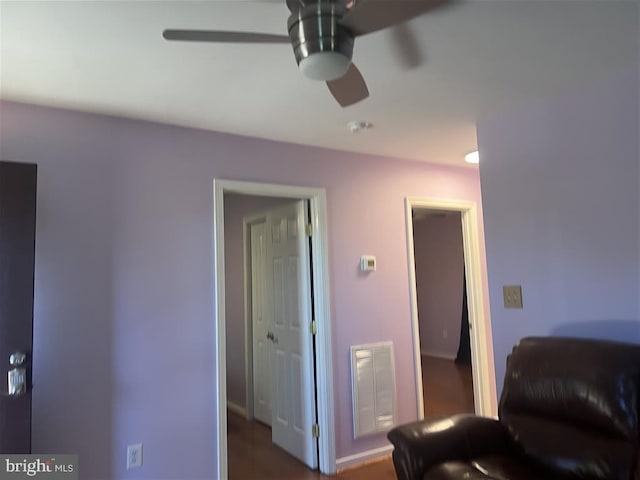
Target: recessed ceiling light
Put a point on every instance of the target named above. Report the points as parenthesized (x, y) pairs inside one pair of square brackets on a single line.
[(356, 126), (472, 157)]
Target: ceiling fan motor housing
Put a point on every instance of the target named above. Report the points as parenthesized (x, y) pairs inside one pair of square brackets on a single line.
[(322, 45)]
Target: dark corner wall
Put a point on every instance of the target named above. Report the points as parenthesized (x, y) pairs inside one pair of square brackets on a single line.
[(439, 259)]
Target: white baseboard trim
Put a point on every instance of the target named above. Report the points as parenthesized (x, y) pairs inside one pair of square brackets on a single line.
[(444, 356), (362, 457), (235, 408)]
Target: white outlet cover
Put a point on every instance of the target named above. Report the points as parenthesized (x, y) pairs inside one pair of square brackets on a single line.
[(134, 456)]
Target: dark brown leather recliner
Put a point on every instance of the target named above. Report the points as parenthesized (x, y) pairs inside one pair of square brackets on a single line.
[(568, 410)]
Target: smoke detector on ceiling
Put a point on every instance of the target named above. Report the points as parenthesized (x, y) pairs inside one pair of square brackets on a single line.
[(356, 126)]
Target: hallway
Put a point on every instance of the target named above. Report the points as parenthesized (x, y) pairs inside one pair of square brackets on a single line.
[(252, 456), (447, 387)]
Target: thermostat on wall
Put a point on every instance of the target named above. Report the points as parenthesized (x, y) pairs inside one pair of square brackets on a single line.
[(368, 263)]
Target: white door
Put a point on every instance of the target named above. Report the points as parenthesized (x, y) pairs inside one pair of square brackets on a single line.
[(262, 347), (293, 410)]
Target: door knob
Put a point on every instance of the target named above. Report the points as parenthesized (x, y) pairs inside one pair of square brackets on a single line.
[(17, 376), (17, 358), (271, 336)]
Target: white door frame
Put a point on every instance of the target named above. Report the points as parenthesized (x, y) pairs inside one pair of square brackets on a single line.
[(247, 222), (482, 389), (320, 268)]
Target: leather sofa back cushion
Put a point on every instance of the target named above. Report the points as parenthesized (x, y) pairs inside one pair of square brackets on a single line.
[(572, 452), (592, 385)]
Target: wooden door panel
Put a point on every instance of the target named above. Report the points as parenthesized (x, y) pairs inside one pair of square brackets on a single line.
[(294, 390), (17, 255), (260, 326)]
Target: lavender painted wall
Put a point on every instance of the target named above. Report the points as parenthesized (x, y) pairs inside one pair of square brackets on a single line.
[(560, 183), (124, 278), (439, 258), (236, 207), (75, 383)]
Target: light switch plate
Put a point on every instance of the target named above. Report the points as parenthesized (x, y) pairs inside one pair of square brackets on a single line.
[(512, 295), (134, 456)]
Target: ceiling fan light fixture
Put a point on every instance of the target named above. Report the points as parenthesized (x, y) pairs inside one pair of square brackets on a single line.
[(321, 45), (324, 66)]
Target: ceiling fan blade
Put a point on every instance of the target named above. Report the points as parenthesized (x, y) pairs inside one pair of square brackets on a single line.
[(372, 15), (350, 88), (409, 53), (223, 37), (295, 5)]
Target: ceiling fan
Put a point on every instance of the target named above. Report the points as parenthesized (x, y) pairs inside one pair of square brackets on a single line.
[(322, 34)]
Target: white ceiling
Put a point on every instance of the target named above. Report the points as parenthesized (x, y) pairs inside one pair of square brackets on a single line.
[(481, 57)]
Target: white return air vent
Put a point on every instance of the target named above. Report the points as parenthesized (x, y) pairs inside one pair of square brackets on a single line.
[(374, 388)]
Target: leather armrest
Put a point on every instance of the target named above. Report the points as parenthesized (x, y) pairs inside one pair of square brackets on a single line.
[(420, 445)]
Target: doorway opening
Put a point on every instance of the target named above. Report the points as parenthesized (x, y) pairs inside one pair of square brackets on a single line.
[(443, 317), (315, 211), (452, 336)]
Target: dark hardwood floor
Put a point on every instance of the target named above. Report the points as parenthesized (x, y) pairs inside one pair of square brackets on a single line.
[(252, 456), (448, 389)]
